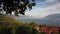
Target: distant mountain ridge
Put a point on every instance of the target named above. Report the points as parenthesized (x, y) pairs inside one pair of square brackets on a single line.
[(53, 16), (53, 19)]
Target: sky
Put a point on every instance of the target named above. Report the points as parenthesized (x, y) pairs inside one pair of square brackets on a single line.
[(44, 8)]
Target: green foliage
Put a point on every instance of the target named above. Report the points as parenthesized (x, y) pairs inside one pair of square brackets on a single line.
[(18, 30), (5, 30), (8, 20), (14, 5), (25, 30)]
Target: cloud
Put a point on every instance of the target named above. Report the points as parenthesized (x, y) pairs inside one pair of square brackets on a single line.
[(47, 3), (49, 0), (45, 8), (52, 8)]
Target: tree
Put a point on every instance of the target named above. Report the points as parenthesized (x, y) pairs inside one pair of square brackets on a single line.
[(14, 5), (5, 30), (26, 30)]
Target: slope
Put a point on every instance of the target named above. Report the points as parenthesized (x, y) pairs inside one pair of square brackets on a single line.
[(4, 19)]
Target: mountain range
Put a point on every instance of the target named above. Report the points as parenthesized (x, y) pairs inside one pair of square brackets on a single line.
[(52, 19)]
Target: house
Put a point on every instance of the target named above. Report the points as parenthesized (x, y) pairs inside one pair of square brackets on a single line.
[(47, 29)]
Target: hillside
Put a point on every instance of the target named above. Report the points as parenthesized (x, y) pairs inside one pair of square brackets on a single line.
[(10, 25), (8, 20), (53, 17)]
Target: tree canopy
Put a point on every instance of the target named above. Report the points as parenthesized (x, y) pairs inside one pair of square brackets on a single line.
[(14, 5)]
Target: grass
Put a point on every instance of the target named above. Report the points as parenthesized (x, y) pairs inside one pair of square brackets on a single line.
[(9, 20)]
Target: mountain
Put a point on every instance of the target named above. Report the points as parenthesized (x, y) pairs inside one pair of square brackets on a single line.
[(30, 19), (52, 19), (24, 18)]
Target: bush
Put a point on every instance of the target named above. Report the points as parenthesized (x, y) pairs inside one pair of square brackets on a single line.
[(5, 30), (25, 30), (18, 30)]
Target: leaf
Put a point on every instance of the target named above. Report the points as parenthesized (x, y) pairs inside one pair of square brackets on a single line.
[(30, 6)]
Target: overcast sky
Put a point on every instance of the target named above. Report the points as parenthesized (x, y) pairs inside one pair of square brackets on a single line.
[(44, 8)]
